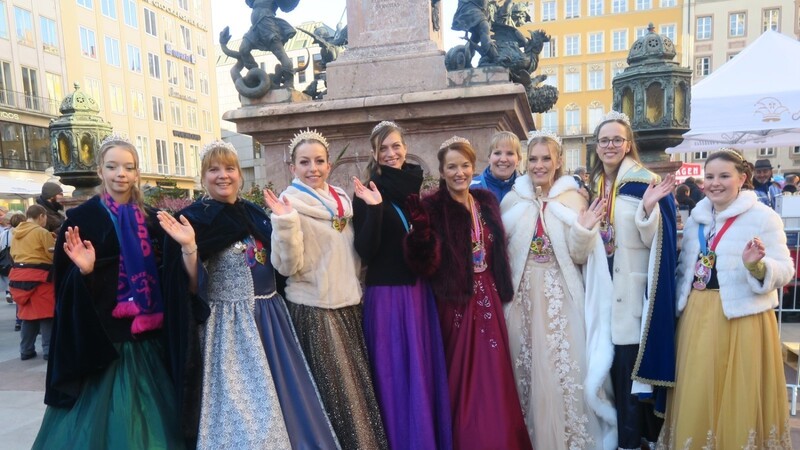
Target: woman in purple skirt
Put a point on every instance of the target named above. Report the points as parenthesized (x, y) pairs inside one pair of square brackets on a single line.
[(401, 325)]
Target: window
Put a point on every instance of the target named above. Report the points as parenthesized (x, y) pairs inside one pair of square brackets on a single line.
[(572, 159), (619, 6), (194, 151), (572, 9), (699, 155), (88, 43), (162, 156), (168, 25), (736, 24), (134, 59), (86, 3), (770, 151), (548, 10), (137, 104), (154, 65), (191, 117), (201, 45), (54, 91), (668, 31), (49, 34), (129, 12), (572, 45), (143, 149), (186, 38), (175, 113), (204, 87), (3, 21), (596, 80), (702, 66), (643, 5), (158, 109), (30, 87), (703, 31), (595, 7), (572, 82), (112, 52), (552, 80), (668, 3), (595, 117), (616, 71), (549, 49), (596, 42), (150, 23), (641, 31), (109, 8), (23, 20), (732, 55), (619, 40), (6, 86), (796, 150), (93, 90), (188, 77), (572, 118), (116, 98), (207, 121), (771, 19), (183, 4), (301, 76), (550, 121), (172, 72), (180, 163)]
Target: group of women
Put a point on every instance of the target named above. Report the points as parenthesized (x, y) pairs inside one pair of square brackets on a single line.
[(510, 314)]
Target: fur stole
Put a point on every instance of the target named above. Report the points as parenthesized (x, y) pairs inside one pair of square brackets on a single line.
[(446, 255)]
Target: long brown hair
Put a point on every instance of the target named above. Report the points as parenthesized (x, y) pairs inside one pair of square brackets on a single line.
[(742, 165), (136, 192), (597, 164), (379, 134)]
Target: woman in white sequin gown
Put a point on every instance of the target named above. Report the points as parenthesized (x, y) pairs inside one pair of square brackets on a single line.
[(552, 239)]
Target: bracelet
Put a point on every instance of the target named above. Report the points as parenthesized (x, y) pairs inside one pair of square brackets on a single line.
[(190, 252)]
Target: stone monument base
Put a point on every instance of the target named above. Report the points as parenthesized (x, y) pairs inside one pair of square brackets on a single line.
[(280, 95)]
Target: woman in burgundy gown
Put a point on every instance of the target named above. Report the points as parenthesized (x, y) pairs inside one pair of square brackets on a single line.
[(457, 241)]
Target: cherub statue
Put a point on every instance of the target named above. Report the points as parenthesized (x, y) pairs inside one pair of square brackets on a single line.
[(267, 33)]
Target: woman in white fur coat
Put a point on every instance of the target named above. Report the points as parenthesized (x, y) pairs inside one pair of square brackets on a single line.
[(312, 244), (559, 330), (730, 390)]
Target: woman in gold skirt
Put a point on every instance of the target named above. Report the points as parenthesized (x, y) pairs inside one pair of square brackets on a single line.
[(730, 388)]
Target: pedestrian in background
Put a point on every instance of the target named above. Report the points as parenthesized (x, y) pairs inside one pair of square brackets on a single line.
[(766, 189), (5, 254), (16, 219), (52, 194), (30, 281)]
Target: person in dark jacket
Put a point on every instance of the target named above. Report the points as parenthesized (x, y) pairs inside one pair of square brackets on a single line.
[(52, 193), (695, 193)]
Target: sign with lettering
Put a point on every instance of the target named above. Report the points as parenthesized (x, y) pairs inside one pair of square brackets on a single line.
[(185, 135), (687, 170), (174, 93), (170, 50), (9, 115), (176, 13)]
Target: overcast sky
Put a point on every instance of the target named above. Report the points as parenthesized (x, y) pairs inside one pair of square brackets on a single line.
[(236, 14)]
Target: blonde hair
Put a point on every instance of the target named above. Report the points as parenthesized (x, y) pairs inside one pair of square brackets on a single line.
[(555, 150), (223, 155), (136, 192), (509, 137)]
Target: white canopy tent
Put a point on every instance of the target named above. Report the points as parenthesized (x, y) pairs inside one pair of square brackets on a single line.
[(751, 101), (22, 188)]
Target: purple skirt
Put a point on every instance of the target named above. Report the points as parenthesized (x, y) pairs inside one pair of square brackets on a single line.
[(404, 344)]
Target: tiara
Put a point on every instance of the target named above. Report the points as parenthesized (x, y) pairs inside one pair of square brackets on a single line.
[(732, 151), (385, 123), (544, 133), (452, 141), (307, 134), (216, 144), (614, 115), (115, 137)]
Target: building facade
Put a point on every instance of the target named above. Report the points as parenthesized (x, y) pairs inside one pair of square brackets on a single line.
[(149, 66), (32, 78)]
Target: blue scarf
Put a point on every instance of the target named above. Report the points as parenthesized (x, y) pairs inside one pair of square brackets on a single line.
[(497, 187), (138, 290)]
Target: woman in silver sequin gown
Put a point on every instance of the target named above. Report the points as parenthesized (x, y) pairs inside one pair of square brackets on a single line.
[(256, 389)]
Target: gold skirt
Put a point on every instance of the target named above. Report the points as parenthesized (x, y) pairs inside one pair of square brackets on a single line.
[(730, 388)]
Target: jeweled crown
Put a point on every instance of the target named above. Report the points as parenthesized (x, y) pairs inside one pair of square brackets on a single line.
[(544, 133), (216, 144), (115, 137), (382, 124), (452, 141), (732, 151), (307, 134), (616, 115)]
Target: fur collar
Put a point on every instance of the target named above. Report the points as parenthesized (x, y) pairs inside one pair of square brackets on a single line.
[(309, 206), (744, 201), (524, 187)]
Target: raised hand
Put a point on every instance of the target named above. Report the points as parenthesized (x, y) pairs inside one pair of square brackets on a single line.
[(371, 195), (278, 206), (590, 217), (754, 251), (182, 231), (80, 252), (656, 192)]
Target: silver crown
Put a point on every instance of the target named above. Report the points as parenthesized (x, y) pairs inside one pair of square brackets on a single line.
[(307, 134), (544, 133), (732, 151), (116, 137), (385, 123), (615, 115), (216, 144), (452, 141)]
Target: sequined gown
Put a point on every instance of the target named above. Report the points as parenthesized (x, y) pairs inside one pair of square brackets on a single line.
[(239, 402)]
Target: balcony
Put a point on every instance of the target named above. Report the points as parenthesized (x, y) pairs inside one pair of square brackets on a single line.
[(28, 103)]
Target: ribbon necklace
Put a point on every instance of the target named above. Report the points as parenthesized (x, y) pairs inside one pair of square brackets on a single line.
[(478, 249), (708, 257), (541, 250), (402, 216), (338, 221), (607, 224)]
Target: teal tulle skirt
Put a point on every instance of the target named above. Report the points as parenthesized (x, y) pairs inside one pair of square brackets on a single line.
[(130, 405)]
